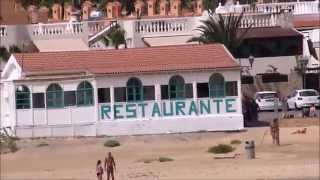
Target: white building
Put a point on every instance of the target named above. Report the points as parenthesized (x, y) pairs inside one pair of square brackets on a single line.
[(166, 89)]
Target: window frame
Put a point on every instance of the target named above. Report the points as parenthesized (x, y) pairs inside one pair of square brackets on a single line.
[(135, 86), (217, 92), (24, 92), (179, 88), (54, 99), (86, 93)]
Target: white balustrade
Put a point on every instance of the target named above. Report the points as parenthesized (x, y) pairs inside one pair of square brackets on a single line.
[(260, 20), (169, 25), (97, 26), (301, 7), (57, 29), (3, 31)]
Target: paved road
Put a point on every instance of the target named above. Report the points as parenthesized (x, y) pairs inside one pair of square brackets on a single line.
[(269, 115)]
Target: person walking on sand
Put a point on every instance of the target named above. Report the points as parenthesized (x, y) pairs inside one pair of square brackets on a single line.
[(275, 131), (109, 166), (99, 170)]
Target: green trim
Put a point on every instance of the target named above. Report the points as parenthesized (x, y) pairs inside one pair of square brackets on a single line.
[(177, 91), (217, 89), (176, 88), (136, 93), (23, 99), (134, 90), (84, 94), (54, 96)]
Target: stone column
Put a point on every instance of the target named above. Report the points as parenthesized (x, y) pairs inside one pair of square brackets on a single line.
[(157, 91), (112, 101), (195, 91)]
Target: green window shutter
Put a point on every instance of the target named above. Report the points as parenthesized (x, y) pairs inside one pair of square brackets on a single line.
[(23, 98), (84, 94), (134, 90), (216, 86), (54, 96), (176, 87)]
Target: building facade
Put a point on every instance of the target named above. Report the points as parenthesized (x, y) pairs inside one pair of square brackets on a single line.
[(122, 92)]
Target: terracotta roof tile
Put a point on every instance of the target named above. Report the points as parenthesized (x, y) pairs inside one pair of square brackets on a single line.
[(270, 32), (155, 59), (308, 20)]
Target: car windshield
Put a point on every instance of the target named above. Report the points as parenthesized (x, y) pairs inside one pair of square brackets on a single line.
[(267, 95), (308, 93)]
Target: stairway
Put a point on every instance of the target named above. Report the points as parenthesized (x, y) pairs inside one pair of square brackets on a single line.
[(99, 35)]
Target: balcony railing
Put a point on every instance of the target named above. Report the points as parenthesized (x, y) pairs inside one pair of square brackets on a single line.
[(298, 8), (162, 26)]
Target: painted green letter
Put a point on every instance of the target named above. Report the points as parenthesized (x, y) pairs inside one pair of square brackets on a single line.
[(218, 101), (179, 107), (142, 105), (105, 110), (165, 113), (229, 105), (204, 106), (131, 108), (117, 111), (156, 110), (193, 108)]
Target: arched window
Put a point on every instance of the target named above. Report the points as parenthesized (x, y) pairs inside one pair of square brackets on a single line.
[(84, 94), (22, 97), (216, 85), (134, 90), (54, 96), (176, 87)]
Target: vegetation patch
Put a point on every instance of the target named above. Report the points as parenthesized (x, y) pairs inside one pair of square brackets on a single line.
[(221, 149), (111, 143), (235, 142), (42, 144), (165, 159), (7, 142)]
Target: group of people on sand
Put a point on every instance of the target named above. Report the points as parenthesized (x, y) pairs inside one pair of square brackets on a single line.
[(109, 167)]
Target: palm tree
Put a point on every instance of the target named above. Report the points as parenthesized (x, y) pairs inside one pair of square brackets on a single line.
[(115, 37), (222, 29), (4, 54)]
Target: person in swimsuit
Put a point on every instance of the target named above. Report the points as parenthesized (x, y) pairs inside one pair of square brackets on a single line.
[(275, 131), (99, 170), (109, 166)]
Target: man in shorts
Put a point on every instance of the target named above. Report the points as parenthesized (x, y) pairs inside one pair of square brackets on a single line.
[(109, 166)]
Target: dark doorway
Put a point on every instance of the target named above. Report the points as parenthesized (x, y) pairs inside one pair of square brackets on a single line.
[(312, 81)]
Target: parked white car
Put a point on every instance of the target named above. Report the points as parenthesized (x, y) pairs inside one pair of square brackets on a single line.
[(303, 98), (266, 100)]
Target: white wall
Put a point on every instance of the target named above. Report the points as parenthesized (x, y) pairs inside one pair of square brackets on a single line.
[(285, 64), (163, 79), (84, 121)]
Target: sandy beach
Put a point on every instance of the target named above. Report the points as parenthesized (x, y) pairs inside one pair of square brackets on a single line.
[(75, 158)]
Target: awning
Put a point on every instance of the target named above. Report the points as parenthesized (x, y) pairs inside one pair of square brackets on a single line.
[(53, 45), (167, 40)]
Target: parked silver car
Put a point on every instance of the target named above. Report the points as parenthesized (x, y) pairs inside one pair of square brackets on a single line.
[(303, 98), (266, 100)]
